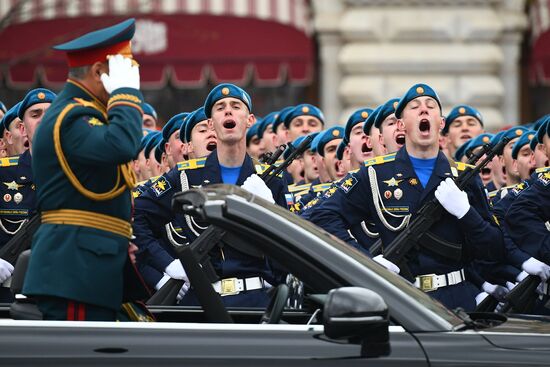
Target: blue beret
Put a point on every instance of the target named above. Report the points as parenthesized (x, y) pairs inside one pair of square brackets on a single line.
[(280, 119), (149, 110), (269, 119), (332, 133), (95, 46), (296, 143), (514, 132), (9, 117), (496, 138), (461, 150), (473, 143), (459, 111), (222, 91), (385, 110), (173, 125), (154, 138), (522, 141), (251, 132), (542, 130), (159, 149), (3, 107), (304, 110), (417, 90), (535, 126), (340, 151), (147, 135), (38, 95), (357, 117), (190, 122), (370, 120)]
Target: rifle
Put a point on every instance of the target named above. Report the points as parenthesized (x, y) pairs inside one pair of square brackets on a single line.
[(521, 299), (487, 305), (210, 237), (272, 157), (21, 241), (376, 248), (429, 214)]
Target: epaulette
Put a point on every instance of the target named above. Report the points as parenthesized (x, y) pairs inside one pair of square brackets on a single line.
[(544, 178), (91, 104), (192, 164), (493, 193), (297, 194), (9, 161), (519, 188), (261, 168), (461, 166), (322, 187), (542, 169), (380, 159), (296, 188)]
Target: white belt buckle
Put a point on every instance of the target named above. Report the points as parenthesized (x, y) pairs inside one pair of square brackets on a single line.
[(426, 282)]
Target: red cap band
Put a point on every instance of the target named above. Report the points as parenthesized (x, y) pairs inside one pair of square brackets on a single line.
[(88, 57)]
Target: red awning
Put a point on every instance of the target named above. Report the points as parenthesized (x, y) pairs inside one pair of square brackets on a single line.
[(186, 49)]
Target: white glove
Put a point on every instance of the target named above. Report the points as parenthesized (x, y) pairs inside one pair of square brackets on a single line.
[(454, 200), (387, 264), (175, 270), (182, 291), (521, 276), (162, 281), (255, 185), (542, 288), (121, 74), (511, 285), (496, 291), (536, 267), (6, 270), (480, 297)]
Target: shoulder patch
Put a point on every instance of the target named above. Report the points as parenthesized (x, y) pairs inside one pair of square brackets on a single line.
[(161, 186), (192, 164), (519, 188), (137, 191), (261, 168), (380, 159), (544, 178), (348, 183), (9, 161), (321, 187)]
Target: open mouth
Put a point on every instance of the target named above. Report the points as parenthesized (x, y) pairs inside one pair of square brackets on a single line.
[(546, 163), (211, 146), (424, 126), (400, 139), (365, 148), (532, 170), (229, 124), (26, 143), (465, 137)]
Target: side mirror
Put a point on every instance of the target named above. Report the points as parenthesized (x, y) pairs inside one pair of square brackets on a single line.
[(360, 316)]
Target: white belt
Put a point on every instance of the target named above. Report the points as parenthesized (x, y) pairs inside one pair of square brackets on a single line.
[(230, 286), (431, 282)]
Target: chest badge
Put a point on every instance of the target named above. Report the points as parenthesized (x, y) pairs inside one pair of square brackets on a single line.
[(413, 182), (398, 193), (18, 197), (392, 182), (387, 194), (7, 198), (12, 185)]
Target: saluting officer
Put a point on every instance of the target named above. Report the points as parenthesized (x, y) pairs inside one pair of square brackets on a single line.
[(81, 155), (390, 189)]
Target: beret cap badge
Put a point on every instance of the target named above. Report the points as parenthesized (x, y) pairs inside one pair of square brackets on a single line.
[(225, 91), (305, 109), (419, 90)]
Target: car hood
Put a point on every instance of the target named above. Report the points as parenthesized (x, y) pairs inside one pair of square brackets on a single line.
[(530, 333)]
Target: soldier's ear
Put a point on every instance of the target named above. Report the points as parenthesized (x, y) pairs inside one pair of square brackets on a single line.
[(251, 120), (442, 124), (97, 69)]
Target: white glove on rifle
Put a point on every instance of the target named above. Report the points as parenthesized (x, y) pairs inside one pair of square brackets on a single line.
[(454, 200), (175, 270), (536, 267), (183, 291), (496, 291), (521, 276), (380, 259), (121, 74), (480, 297), (6, 270), (255, 185)]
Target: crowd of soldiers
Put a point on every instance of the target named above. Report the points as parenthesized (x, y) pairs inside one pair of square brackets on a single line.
[(74, 159)]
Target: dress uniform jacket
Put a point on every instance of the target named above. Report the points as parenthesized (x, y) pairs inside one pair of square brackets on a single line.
[(394, 194), (80, 150), (18, 194), (153, 211), (526, 219)]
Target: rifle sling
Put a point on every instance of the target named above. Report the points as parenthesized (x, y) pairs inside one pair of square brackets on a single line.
[(435, 244)]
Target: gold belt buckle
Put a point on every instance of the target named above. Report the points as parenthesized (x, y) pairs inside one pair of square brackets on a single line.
[(228, 286), (427, 282)]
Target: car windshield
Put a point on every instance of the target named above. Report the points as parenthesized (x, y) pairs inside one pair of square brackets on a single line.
[(219, 191)]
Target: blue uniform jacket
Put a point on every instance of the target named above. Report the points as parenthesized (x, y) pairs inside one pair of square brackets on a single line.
[(153, 211), (353, 203)]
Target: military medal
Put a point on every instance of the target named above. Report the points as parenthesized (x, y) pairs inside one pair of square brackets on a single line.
[(413, 181), (7, 197), (387, 194), (398, 193), (18, 198)]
